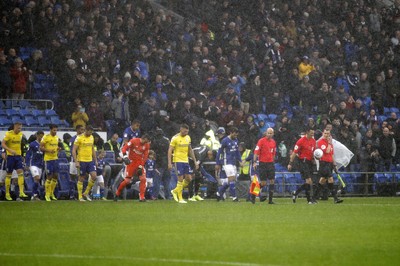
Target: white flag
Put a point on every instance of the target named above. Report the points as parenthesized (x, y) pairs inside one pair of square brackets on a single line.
[(342, 154)]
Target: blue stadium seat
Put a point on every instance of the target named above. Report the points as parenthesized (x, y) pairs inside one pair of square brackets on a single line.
[(56, 120), (31, 121), (25, 112), (272, 117), (389, 177), (298, 178), (279, 167), (349, 180), (24, 104), (394, 110), (109, 160), (43, 121), (5, 122), (290, 182), (397, 177), (270, 124), (279, 188), (381, 118), (110, 154), (386, 110), (17, 119), (263, 117), (380, 178), (50, 112), (37, 112), (12, 112)]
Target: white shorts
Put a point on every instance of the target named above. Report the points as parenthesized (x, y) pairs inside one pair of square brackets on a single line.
[(224, 181), (35, 171), (3, 174), (149, 181), (72, 168), (100, 179), (230, 170)]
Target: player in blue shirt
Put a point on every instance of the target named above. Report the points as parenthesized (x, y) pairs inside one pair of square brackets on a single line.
[(101, 163), (151, 171), (133, 131), (227, 157), (34, 160)]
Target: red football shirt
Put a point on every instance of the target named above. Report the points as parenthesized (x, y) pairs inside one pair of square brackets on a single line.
[(305, 147), (327, 148), (266, 150), (137, 151)]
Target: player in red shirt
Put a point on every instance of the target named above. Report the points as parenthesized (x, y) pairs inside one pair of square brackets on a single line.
[(265, 153), (135, 154), (327, 164), (304, 152)]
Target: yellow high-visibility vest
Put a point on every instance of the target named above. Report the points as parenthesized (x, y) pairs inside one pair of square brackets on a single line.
[(246, 164)]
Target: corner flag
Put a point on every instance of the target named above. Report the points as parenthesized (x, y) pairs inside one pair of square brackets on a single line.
[(255, 186)]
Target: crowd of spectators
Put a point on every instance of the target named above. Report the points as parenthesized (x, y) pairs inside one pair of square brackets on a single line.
[(310, 62)]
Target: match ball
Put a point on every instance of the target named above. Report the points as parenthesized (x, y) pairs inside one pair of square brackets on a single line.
[(318, 154)]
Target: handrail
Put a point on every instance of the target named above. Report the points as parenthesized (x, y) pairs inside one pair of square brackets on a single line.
[(37, 103)]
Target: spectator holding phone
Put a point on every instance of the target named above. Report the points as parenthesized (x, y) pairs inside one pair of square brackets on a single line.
[(79, 117)]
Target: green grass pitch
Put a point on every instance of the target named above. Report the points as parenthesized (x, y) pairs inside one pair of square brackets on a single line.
[(361, 231)]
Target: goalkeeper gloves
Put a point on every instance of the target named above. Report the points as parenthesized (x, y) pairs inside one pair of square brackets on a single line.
[(126, 160)]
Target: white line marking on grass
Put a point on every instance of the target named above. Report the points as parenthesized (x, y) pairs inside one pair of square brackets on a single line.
[(372, 204), (183, 261)]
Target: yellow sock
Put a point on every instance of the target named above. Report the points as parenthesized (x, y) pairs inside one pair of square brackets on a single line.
[(89, 186), (178, 189), (185, 183), (8, 184), (53, 186), (79, 185), (47, 187), (21, 183)]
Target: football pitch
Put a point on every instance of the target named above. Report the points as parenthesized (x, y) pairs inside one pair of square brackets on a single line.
[(361, 231)]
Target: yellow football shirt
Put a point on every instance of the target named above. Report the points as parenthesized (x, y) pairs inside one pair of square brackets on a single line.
[(84, 148), (13, 141), (181, 148), (50, 143)]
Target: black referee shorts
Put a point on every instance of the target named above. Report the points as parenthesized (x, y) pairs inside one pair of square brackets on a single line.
[(266, 171), (306, 168), (325, 169)]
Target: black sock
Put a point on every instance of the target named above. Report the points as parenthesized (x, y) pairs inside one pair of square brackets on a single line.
[(307, 188), (271, 192), (196, 187), (333, 190), (318, 189), (300, 189), (191, 188)]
